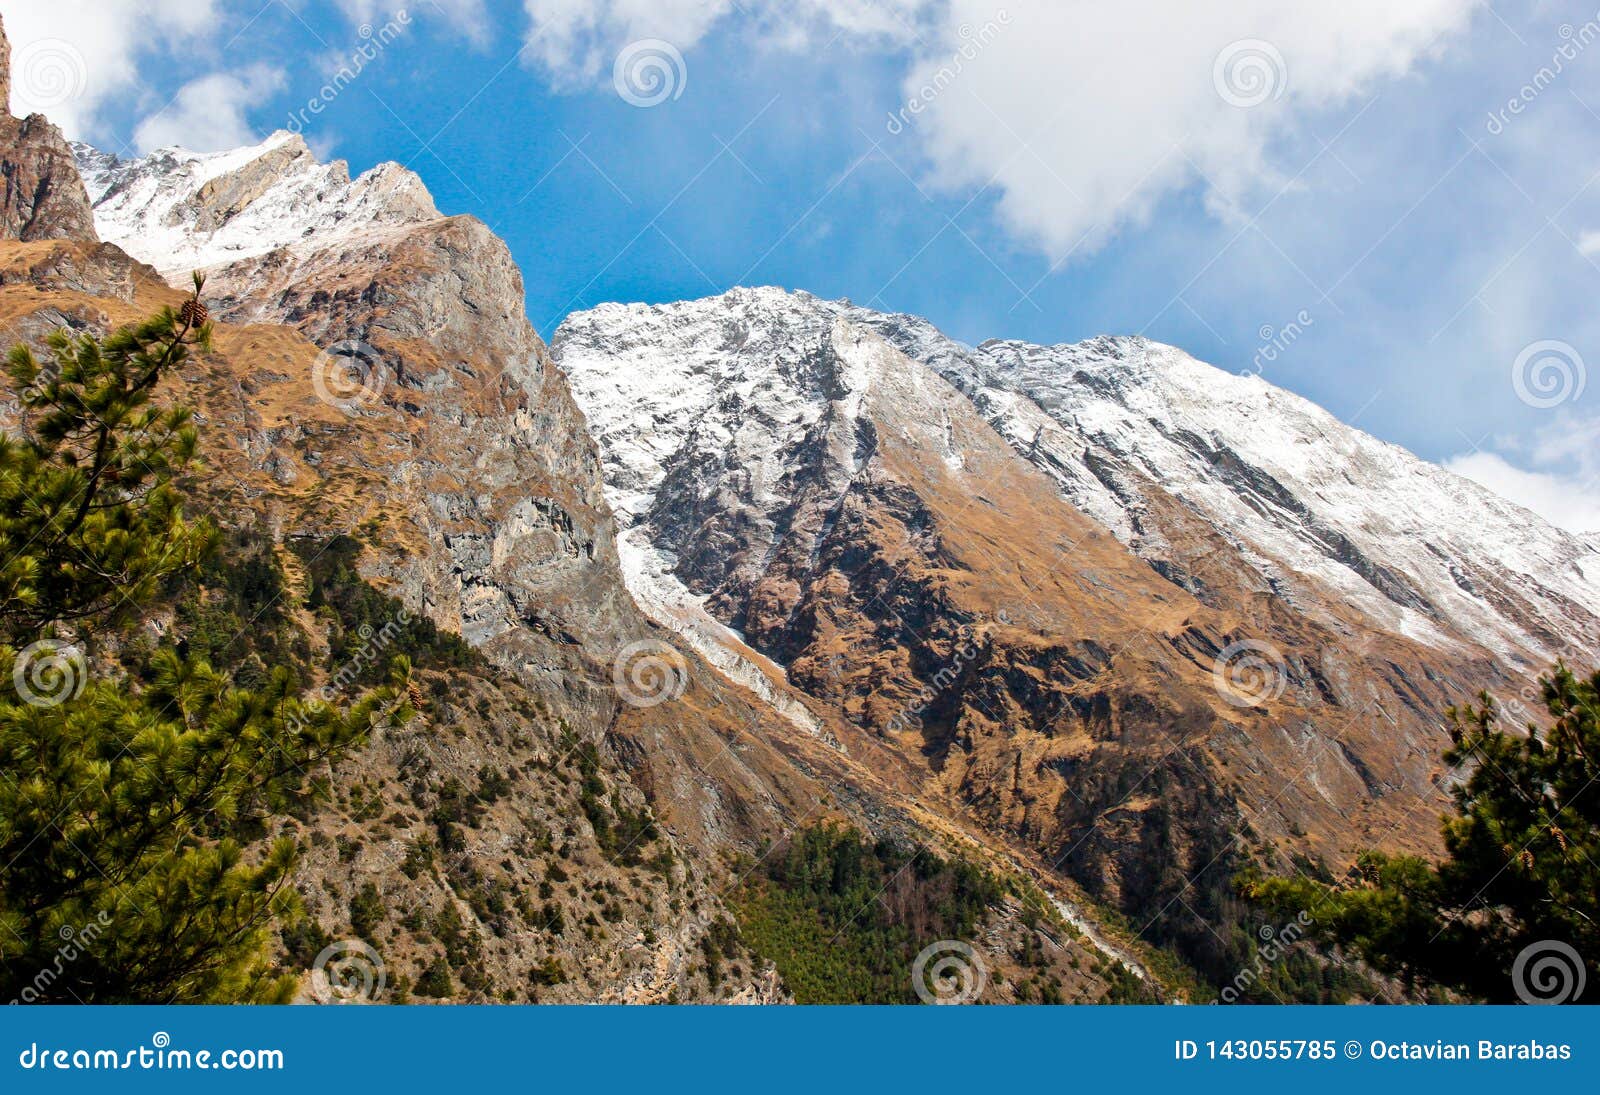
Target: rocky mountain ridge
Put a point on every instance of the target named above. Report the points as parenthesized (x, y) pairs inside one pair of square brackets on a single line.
[(213, 210), (389, 394), (41, 195), (375, 384), (1315, 510), (1302, 499)]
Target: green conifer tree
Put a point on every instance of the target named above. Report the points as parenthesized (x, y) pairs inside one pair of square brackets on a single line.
[(137, 861), (1513, 910)]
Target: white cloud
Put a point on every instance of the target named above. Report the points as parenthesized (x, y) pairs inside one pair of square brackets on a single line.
[(1569, 501), (72, 56), (1589, 243), (1559, 476), (86, 54), (465, 17), (1085, 115), (208, 114), (1082, 115), (1573, 441), (575, 41)]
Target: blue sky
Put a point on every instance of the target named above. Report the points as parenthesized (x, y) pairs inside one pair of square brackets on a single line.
[(1340, 184)]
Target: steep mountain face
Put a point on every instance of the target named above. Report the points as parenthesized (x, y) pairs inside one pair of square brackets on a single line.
[(215, 210), (375, 383), (1321, 515), (382, 388), (415, 310), (433, 425), (1093, 614), (1143, 617), (433, 415)]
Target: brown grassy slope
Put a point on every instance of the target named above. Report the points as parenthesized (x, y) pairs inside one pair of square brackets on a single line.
[(1039, 677), (284, 463)]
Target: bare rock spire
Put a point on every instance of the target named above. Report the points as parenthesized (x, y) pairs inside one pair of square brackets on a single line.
[(5, 68), (41, 195)]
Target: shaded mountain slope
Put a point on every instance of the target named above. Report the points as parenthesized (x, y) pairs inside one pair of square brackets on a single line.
[(1077, 641)]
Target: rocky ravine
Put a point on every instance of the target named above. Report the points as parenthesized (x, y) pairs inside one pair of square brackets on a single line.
[(433, 412)]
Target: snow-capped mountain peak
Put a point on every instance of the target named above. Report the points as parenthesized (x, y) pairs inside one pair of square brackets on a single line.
[(180, 210), (1139, 436)]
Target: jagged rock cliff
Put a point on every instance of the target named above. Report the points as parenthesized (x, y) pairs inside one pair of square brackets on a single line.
[(446, 435), (430, 359), (41, 195), (1093, 613), (384, 389), (455, 437)]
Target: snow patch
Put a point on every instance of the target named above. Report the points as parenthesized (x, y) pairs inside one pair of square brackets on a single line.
[(648, 575)]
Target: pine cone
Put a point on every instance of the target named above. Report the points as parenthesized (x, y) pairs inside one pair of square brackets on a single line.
[(193, 313), (414, 694)]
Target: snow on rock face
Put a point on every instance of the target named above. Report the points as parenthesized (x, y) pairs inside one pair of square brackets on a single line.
[(673, 385), (685, 426), (1415, 547), (182, 211), (511, 507), (1139, 436)]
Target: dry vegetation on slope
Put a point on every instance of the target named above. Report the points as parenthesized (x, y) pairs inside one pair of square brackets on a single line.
[(499, 849)]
